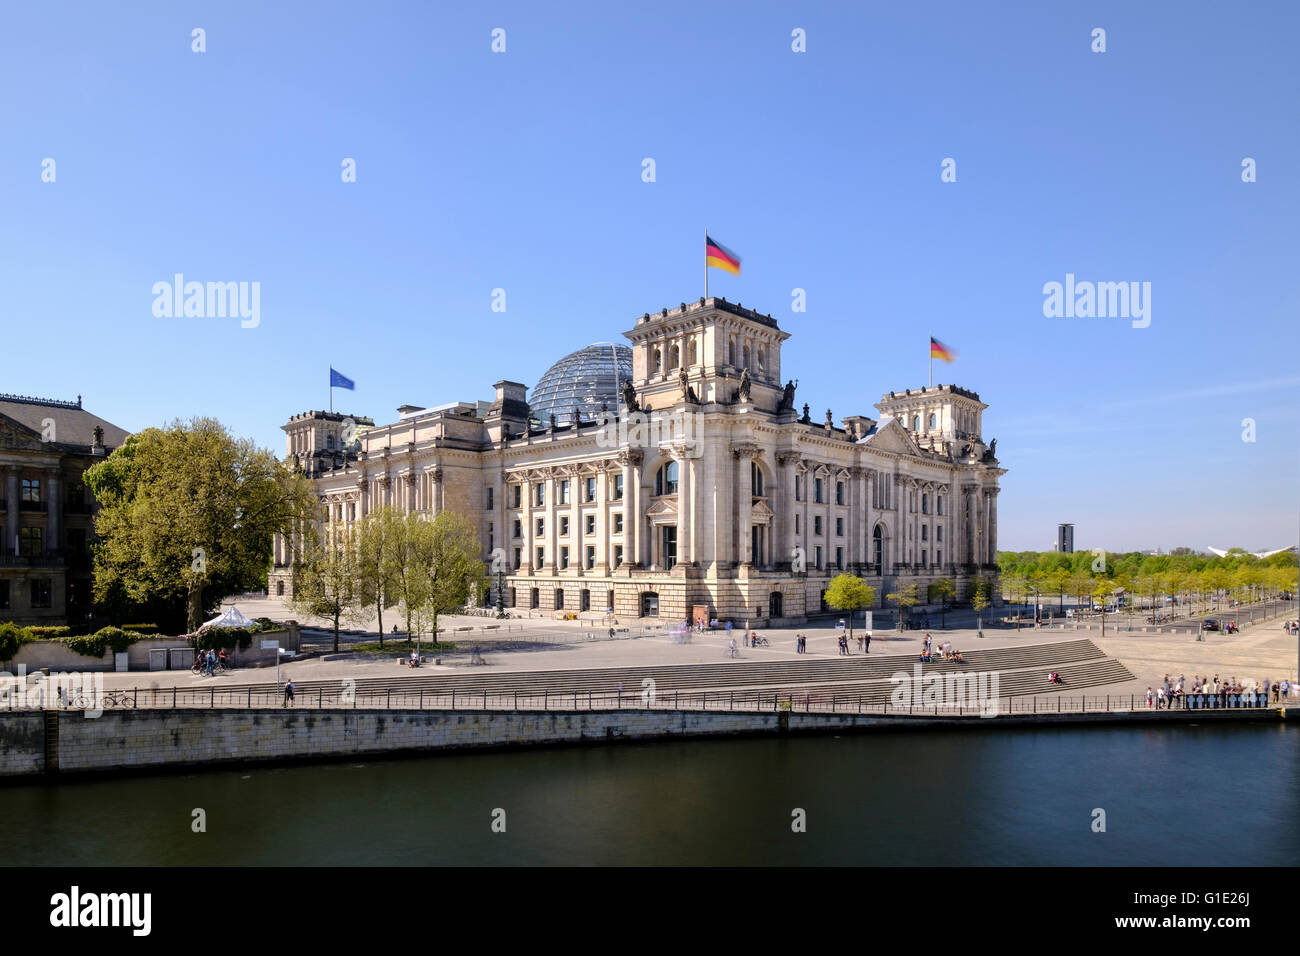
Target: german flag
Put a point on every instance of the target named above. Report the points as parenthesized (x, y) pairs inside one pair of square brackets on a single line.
[(720, 257), (940, 351)]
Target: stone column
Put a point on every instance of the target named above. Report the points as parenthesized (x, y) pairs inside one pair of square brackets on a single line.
[(525, 525), (552, 524), (744, 456), (408, 482), (54, 511), (604, 551), (363, 493), (993, 526), (11, 515), (685, 506), (782, 542), (577, 539)]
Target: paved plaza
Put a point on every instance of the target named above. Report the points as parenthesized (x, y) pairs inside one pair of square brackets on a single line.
[(1262, 652)]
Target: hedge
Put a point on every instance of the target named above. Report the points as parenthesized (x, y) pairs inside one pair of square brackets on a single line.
[(12, 637), (214, 638), (141, 628), (48, 632), (94, 645)]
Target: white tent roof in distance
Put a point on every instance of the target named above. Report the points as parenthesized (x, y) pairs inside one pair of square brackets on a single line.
[(230, 617)]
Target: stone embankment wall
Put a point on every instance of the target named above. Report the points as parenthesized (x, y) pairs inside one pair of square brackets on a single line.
[(159, 739)]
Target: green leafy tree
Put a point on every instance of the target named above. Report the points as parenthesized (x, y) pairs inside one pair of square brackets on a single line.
[(450, 560), (326, 578), (376, 535), (979, 602), (943, 590), (850, 593), (903, 599), (187, 516)]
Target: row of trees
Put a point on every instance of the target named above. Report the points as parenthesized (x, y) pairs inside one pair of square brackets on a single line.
[(1190, 579), (422, 567), (850, 593)]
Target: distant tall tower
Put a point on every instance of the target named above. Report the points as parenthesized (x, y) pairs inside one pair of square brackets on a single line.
[(1065, 538)]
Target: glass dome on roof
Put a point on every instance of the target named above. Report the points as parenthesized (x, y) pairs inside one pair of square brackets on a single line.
[(585, 378)]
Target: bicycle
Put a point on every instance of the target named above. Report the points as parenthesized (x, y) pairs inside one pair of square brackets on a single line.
[(117, 698), (757, 641)]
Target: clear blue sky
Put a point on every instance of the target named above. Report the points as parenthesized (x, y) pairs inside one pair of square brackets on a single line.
[(522, 171)]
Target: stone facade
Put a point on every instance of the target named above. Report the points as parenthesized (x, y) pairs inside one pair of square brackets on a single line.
[(48, 515), (702, 487)]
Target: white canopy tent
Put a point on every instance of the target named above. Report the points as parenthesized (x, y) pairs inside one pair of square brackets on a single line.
[(230, 617)]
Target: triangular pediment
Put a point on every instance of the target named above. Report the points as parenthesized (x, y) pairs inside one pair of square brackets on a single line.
[(15, 436), (663, 506), (891, 436)]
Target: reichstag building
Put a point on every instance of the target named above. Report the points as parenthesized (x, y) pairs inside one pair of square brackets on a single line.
[(677, 478)]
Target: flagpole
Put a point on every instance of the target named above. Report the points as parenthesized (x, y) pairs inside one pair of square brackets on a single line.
[(706, 263), (930, 349)]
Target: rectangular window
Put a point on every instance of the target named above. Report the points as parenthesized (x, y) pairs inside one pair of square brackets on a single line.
[(559, 599), (541, 558), (839, 527), (796, 524), (817, 524), (591, 488), (618, 487), (541, 527), (669, 546), (817, 552), (590, 524), (564, 491), (591, 557), (938, 504), (938, 533), (817, 491), (585, 598), (839, 558), (564, 526), (618, 555), (539, 493), (925, 533), (618, 522), (490, 498), (519, 557), (938, 557), (516, 492), (564, 559), (839, 492), (40, 592), (798, 488), (31, 490), (4, 595), (519, 528), (30, 541)]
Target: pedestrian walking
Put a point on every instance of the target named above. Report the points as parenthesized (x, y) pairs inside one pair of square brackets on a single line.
[(288, 694), (866, 642)]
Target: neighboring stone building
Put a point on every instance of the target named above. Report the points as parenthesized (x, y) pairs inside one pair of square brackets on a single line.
[(48, 514), (694, 486)]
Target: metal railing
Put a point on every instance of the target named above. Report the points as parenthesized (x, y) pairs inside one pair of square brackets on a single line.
[(315, 698)]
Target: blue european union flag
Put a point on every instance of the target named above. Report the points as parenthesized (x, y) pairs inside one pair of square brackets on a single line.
[(341, 381)]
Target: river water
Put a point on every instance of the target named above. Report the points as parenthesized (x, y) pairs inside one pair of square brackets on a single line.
[(1187, 795)]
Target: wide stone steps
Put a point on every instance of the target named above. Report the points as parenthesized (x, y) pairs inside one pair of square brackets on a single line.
[(793, 676)]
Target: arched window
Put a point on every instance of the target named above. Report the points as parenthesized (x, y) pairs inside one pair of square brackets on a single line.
[(674, 357), (878, 547), (933, 419), (666, 479), (744, 357), (731, 352), (762, 361), (756, 477), (658, 360), (916, 423), (694, 353)]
